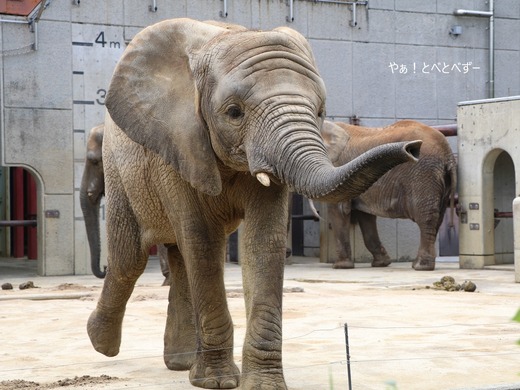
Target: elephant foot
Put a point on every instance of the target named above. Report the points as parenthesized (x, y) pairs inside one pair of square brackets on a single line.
[(269, 380), (424, 264), (105, 332), (179, 361), (381, 261), (343, 264), (223, 376)]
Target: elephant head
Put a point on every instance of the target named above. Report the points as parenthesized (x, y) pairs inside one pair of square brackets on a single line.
[(91, 191), (204, 96)]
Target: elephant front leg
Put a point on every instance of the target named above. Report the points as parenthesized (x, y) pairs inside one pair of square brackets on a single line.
[(213, 366), (180, 338), (264, 245), (105, 323)]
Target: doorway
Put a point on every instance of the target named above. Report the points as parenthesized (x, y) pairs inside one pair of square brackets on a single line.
[(18, 215), (503, 195)]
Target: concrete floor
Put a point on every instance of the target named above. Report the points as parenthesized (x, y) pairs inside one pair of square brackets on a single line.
[(399, 328)]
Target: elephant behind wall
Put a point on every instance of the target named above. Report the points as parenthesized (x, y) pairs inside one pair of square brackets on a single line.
[(419, 191), (206, 126), (92, 191)]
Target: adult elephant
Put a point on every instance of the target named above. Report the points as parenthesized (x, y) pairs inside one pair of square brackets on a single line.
[(418, 191), (91, 192), (196, 113)]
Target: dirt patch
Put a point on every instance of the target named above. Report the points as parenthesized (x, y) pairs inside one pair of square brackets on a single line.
[(147, 297), (78, 381), (239, 292), (326, 281), (72, 287)]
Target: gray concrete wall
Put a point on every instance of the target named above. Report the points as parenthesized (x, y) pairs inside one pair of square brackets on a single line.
[(52, 97), (489, 172)]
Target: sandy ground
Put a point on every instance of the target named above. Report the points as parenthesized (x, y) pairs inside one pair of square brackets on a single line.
[(402, 335)]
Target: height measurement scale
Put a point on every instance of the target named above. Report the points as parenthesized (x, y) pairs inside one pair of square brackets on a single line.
[(95, 52)]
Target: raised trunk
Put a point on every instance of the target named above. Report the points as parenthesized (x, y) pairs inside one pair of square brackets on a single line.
[(90, 208), (299, 159), (326, 183)]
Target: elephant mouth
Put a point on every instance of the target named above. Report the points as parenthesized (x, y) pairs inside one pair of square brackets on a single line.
[(263, 172)]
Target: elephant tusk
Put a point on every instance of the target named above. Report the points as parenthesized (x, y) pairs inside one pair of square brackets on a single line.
[(90, 194), (263, 178)]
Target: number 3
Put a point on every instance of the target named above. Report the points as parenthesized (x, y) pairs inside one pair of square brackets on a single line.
[(102, 93)]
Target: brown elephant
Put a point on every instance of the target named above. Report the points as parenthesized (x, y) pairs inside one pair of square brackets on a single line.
[(419, 191), (91, 192), (207, 126)]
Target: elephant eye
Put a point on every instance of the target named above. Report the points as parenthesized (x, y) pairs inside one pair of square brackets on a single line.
[(321, 112), (234, 112)]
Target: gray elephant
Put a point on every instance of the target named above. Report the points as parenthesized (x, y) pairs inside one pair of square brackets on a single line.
[(91, 192), (205, 126), (419, 191)]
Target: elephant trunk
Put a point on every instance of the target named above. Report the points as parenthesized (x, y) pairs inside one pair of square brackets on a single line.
[(302, 163), (90, 206), (326, 183)]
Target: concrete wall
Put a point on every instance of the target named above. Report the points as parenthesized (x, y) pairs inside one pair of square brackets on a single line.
[(50, 98), (489, 179)]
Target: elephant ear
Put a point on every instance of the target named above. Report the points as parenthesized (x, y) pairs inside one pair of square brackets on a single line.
[(336, 140), (153, 99)]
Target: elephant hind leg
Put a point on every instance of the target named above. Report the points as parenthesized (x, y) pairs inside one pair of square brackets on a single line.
[(368, 225), (425, 260), (180, 337)]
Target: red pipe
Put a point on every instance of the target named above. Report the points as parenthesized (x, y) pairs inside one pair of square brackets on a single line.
[(18, 212), (447, 130), (32, 210)]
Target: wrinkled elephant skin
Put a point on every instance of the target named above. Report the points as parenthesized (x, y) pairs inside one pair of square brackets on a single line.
[(92, 191), (196, 113), (418, 191)]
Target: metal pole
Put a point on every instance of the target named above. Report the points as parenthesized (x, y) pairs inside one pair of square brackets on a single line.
[(290, 18), (491, 49), (491, 15), (224, 13), (14, 21), (353, 22), (342, 2), (349, 376), (19, 223), (35, 29)]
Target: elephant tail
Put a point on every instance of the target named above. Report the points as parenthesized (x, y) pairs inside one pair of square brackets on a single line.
[(452, 177)]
